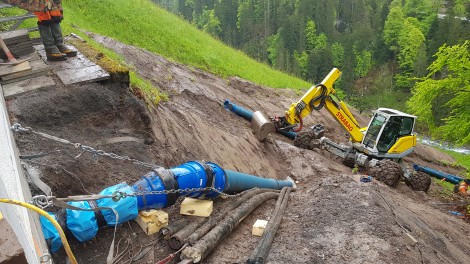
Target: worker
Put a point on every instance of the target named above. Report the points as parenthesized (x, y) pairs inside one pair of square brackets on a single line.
[(51, 33), (462, 187)]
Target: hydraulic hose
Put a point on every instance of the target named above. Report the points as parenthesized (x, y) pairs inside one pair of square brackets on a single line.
[(68, 250)]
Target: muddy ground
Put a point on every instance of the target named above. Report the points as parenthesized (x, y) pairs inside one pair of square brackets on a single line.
[(331, 218)]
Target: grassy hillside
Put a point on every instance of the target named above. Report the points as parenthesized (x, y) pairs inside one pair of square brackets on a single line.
[(142, 23)]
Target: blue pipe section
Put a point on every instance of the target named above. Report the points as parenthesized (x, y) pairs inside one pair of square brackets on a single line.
[(248, 115), (238, 182), (438, 174), (240, 111), (190, 175)]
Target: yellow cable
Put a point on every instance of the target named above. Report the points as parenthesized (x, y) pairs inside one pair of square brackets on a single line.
[(51, 219)]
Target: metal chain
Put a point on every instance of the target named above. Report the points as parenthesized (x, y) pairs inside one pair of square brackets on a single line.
[(102, 153), (43, 201), (95, 152)]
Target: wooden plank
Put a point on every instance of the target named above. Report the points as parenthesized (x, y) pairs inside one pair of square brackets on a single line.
[(12, 69), (14, 34), (78, 61), (82, 75), (38, 67), (24, 77), (17, 40), (19, 88)]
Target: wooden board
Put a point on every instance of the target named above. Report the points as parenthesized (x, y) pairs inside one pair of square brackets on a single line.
[(21, 87), (38, 68), (6, 70), (82, 75), (74, 70)]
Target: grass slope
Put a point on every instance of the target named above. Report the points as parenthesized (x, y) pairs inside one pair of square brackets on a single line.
[(141, 23)]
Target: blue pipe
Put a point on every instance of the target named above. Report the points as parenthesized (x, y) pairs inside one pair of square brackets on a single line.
[(240, 111), (439, 174), (248, 115), (238, 182), (190, 175)]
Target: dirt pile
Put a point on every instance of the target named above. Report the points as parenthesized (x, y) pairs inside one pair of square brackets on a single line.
[(331, 218)]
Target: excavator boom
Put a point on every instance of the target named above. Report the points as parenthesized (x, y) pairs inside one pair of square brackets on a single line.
[(317, 97)]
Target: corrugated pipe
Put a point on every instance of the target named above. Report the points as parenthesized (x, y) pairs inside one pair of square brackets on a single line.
[(248, 115), (188, 177), (438, 174)]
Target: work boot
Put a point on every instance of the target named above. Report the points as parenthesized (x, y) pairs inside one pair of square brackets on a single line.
[(53, 54), (67, 51), (56, 32)]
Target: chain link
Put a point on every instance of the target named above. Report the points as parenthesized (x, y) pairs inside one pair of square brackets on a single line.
[(17, 127), (43, 201), (187, 190), (102, 153)]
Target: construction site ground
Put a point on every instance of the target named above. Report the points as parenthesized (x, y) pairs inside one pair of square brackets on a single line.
[(330, 218)]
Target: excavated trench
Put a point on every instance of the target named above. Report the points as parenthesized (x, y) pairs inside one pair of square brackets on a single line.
[(331, 218)]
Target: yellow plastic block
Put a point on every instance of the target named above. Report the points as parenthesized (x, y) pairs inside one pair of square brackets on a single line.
[(196, 207), (258, 227), (151, 221)]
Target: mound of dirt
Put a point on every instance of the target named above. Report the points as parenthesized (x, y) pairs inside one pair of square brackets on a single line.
[(330, 218)]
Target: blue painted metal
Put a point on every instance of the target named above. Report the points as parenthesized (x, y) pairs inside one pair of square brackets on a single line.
[(240, 111), (238, 182), (248, 115), (150, 182), (438, 174), (191, 174), (288, 134)]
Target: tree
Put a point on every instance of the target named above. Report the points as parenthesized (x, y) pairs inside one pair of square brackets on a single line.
[(449, 78), (393, 27)]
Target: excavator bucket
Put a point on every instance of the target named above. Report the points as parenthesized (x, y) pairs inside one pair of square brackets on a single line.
[(261, 125)]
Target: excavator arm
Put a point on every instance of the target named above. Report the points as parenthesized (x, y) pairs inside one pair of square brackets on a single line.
[(315, 98)]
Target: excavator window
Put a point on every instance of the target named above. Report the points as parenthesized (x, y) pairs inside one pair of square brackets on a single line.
[(406, 126), (392, 131), (374, 130)]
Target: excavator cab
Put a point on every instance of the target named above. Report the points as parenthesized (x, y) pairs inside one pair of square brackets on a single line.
[(390, 134)]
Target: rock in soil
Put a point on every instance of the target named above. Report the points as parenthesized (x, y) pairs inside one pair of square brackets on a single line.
[(388, 172)]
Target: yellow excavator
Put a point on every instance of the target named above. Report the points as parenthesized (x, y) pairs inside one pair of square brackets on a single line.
[(388, 137)]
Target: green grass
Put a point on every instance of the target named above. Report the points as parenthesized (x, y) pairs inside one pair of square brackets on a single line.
[(462, 159), (141, 23)]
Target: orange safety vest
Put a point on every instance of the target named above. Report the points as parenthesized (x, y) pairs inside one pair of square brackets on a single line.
[(463, 187), (45, 16)]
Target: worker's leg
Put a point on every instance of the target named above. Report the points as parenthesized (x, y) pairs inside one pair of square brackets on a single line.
[(59, 41), (57, 34), (44, 26)]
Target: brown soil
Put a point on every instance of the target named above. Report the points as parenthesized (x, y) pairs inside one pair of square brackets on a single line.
[(331, 218)]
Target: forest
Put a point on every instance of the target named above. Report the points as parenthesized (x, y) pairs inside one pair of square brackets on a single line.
[(407, 54)]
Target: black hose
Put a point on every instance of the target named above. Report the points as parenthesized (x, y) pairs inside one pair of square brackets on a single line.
[(260, 253), (322, 98)]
